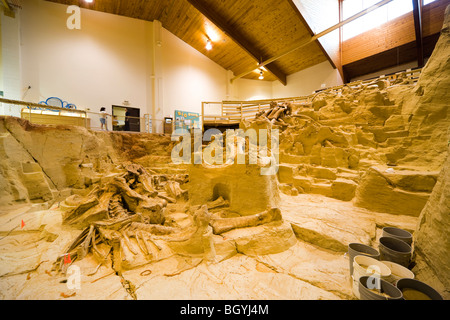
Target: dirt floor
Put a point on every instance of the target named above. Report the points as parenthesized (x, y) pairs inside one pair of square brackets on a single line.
[(315, 267)]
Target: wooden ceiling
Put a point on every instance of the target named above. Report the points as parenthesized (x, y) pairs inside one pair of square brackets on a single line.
[(243, 32)]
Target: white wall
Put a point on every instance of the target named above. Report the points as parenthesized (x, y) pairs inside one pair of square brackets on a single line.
[(301, 83), (189, 77), (304, 82), (10, 62), (100, 65), (1, 55), (246, 89), (110, 60)]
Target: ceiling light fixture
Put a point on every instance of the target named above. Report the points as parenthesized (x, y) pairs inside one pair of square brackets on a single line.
[(212, 33), (208, 45), (89, 1), (261, 77)]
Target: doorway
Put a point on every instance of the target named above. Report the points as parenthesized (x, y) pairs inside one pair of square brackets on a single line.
[(120, 117)]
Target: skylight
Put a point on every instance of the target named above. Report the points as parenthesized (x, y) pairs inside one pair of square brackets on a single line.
[(375, 18)]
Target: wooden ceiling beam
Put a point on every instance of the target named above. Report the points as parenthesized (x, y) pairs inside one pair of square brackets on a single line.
[(5, 3), (303, 43), (219, 22), (8, 11), (335, 64)]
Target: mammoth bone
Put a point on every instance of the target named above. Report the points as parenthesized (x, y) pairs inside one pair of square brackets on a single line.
[(221, 225), (117, 234), (125, 214), (276, 113), (110, 211)]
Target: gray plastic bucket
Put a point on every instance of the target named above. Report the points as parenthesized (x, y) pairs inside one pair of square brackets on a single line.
[(398, 234), (417, 285), (392, 291), (397, 272), (355, 249), (367, 266), (394, 250)]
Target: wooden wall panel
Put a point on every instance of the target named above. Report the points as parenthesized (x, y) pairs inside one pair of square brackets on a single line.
[(393, 34), (389, 58)]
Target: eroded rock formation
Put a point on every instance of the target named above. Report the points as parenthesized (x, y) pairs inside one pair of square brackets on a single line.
[(383, 140), (432, 241), (40, 163)]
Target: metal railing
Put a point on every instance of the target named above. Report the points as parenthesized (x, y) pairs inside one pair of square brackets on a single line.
[(411, 75), (233, 112), (35, 112), (49, 115)]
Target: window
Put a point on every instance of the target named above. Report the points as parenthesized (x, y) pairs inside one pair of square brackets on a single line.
[(375, 18)]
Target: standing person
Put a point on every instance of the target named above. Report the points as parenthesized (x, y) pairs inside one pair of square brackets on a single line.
[(103, 116), (127, 120)]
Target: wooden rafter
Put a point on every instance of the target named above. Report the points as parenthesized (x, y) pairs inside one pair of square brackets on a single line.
[(5, 3), (8, 10), (303, 43), (333, 62), (218, 21)]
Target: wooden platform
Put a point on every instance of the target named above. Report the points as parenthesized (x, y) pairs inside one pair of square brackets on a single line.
[(56, 118), (229, 114), (224, 122), (222, 126)]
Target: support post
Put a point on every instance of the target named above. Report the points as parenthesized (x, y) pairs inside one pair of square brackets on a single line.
[(203, 117), (417, 12)]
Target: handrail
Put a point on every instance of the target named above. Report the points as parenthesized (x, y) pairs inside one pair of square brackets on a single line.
[(37, 105), (262, 101), (392, 76), (247, 108), (28, 108)]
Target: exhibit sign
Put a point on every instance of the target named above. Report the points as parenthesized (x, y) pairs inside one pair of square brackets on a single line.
[(185, 120)]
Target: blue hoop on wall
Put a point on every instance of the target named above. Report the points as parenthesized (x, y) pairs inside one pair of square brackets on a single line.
[(54, 102)]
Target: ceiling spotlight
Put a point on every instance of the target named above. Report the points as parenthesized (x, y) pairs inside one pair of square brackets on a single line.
[(208, 45), (261, 77), (89, 1)]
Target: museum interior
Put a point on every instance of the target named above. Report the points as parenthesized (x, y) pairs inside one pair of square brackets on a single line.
[(132, 134)]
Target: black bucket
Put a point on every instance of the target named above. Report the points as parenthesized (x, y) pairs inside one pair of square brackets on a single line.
[(356, 249), (392, 292), (398, 234), (395, 250), (417, 290)]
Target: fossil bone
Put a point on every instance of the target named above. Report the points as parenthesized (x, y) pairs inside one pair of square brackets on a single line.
[(219, 202), (153, 228), (221, 225), (174, 190)]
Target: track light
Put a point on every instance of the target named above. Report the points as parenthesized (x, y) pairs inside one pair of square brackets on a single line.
[(261, 77), (208, 45)]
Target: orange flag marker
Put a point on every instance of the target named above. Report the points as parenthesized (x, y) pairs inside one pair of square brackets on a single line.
[(67, 259)]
